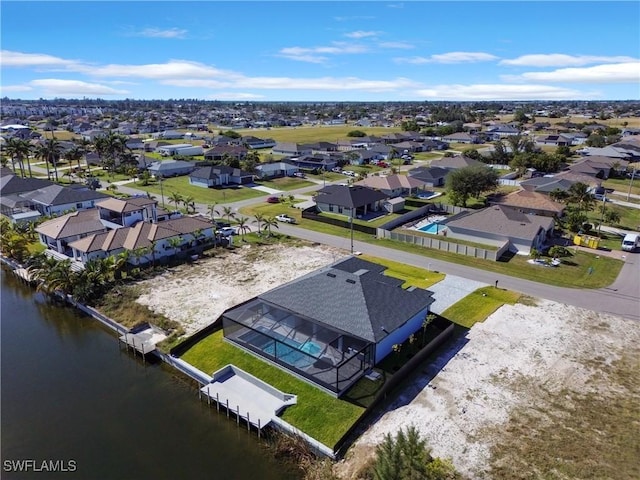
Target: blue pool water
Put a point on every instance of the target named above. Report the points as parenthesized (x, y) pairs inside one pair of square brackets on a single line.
[(432, 228)]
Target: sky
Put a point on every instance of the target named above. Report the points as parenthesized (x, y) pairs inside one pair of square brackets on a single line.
[(321, 51)]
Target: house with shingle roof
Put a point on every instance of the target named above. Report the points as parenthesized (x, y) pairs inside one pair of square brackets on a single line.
[(431, 176), (56, 234), (291, 149), (458, 161), (530, 202), (393, 185), (56, 199), (353, 201), (117, 212), (330, 326), (497, 225), (218, 176)]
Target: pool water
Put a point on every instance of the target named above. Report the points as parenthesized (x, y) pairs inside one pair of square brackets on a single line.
[(432, 228)]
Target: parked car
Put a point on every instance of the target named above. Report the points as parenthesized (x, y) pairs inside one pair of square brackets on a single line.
[(299, 175), (285, 218), (220, 224), (336, 169), (273, 200), (383, 164), (349, 173), (227, 231)]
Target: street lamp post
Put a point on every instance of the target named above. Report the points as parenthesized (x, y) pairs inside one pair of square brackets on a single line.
[(351, 222), (633, 174)]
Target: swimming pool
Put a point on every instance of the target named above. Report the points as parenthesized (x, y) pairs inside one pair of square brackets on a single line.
[(433, 228)]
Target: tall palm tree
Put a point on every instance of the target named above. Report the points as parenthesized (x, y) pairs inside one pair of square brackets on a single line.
[(212, 211), (75, 154), (228, 213), (120, 262), (175, 198), (111, 148), (580, 194), (270, 222), (242, 225), (259, 219), (189, 203), (50, 151), (19, 150)]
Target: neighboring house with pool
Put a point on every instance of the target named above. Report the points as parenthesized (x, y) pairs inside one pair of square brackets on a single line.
[(331, 326)]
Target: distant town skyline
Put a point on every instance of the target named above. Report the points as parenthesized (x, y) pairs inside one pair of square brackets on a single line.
[(321, 51)]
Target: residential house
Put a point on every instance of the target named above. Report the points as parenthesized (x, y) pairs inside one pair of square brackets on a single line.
[(430, 176), (496, 132), (171, 168), (56, 199), (461, 137), (184, 149), (598, 166), (219, 176), (168, 135), (453, 163), (276, 169), (393, 185), (117, 213), (353, 201), (330, 326), (316, 162), (534, 203), (155, 238), (291, 149), (56, 234), (497, 225), (219, 152), (254, 143)]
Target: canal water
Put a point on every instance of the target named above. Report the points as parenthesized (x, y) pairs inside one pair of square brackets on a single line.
[(72, 399)]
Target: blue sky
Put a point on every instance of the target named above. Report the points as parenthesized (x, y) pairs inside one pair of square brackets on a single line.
[(321, 51)]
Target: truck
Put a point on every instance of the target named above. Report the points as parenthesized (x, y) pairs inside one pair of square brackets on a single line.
[(630, 242)]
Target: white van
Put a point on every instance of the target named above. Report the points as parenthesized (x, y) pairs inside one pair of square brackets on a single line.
[(631, 241)]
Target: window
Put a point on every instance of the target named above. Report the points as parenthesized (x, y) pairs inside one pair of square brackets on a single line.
[(78, 205)]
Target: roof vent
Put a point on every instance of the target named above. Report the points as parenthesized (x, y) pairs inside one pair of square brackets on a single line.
[(332, 275), (350, 280)]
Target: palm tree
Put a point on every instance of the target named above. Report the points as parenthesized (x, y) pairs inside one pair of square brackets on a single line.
[(19, 149), (120, 263), (197, 235), (189, 203), (75, 154), (580, 194), (212, 211), (242, 226), (139, 252), (270, 222), (175, 198), (111, 148), (259, 219), (50, 151), (228, 213), (175, 242)]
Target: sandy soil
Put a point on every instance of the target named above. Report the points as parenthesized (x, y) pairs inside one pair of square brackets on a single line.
[(196, 294), (498, 366)]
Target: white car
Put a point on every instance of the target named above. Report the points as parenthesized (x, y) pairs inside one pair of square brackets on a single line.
[(227, 231), (285, 218)]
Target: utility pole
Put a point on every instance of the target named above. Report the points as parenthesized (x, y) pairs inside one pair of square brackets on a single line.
[(633, 174), (351, 231)]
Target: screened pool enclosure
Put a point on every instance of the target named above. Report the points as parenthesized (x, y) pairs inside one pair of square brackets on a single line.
[(323, 355)]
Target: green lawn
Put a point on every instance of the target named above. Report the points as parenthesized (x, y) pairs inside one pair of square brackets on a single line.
[(477, 306), (412, 276), (315, 133), (623, 184), (285, 183), (318, 414), (199, 194)]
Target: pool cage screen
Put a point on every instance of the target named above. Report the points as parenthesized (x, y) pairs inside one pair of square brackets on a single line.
[(327, 357)]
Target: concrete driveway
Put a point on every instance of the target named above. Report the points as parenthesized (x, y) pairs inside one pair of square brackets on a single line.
[(451, 290)]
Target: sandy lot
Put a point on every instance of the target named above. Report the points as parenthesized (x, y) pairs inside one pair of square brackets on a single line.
[(461, 402), (197, 294)]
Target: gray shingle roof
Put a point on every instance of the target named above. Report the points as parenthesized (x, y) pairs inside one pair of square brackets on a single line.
[(352, 296), (349, 196), (59, 195)]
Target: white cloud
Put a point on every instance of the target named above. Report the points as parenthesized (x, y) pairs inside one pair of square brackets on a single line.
[(395, 5), (9, 58), (289, 83), (161, 33), (362, 34), (449, 58), (501, 92), (317, 54), (234, 96), (562, 60), (399, 45), (15, 88), (170, 69), (54, 86), (615, 73)]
